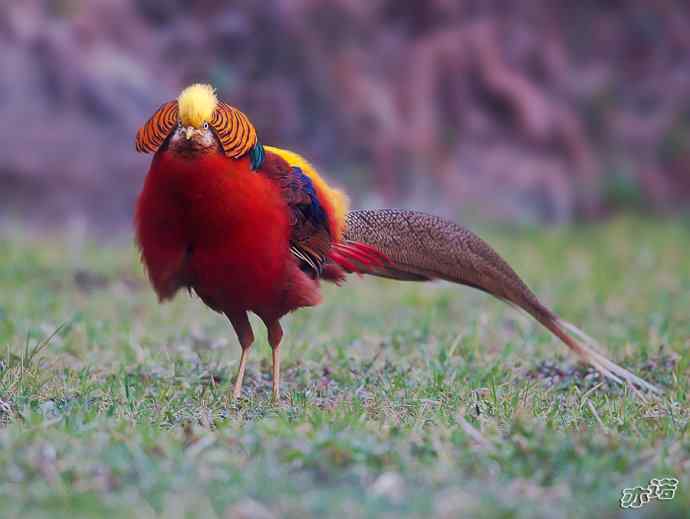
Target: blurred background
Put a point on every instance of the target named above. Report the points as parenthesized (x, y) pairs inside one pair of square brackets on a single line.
[(529, 112)]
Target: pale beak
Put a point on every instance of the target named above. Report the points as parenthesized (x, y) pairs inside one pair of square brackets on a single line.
[(188, 132)]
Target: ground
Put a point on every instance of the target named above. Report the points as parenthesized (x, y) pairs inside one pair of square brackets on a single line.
[(398, 399)]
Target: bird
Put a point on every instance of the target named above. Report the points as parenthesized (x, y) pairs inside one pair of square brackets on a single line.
[(252, 228)]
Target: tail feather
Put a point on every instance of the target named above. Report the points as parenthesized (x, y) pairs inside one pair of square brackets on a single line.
[(589, 351), (356, 257), (414, 246)]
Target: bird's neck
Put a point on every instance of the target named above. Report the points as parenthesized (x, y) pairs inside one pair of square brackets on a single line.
[(214, 191), (193, 172)]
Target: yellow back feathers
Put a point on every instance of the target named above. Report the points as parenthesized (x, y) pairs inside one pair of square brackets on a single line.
[(334, 201), (196, 105)]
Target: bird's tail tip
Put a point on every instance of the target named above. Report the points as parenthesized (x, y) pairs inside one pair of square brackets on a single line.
[(589, 351)]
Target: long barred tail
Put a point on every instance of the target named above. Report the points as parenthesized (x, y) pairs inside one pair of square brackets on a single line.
[(413, 246)]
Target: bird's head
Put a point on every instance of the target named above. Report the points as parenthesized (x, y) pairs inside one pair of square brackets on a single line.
[(195, 107), (197, 122)]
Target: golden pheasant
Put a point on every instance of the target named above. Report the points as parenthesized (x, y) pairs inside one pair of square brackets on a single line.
[(252, 228)]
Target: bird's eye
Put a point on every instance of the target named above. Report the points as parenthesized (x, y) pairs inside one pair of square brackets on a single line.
[(205, 126)]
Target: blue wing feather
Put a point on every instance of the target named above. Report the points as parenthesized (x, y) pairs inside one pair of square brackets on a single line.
[(313, 210)]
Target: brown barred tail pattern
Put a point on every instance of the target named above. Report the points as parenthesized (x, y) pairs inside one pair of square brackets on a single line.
[(157, 128), (235, 132)]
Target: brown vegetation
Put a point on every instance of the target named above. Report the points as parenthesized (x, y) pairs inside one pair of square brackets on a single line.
[(541, 110)]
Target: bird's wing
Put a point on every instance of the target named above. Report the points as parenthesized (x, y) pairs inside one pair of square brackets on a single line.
[(318, 217), (419, 247), (333, 200), (310, 237)]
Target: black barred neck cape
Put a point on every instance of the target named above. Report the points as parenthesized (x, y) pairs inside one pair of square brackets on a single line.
[(235, 132)]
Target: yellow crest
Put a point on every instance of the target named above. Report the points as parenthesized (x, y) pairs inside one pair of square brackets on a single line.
[(196, 105)]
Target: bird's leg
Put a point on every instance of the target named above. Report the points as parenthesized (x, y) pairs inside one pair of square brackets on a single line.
[(275, 334), (246, 337), (276, 373), (237, 391)]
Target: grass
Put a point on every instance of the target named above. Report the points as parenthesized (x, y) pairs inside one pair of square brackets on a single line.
[(399, 399)]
